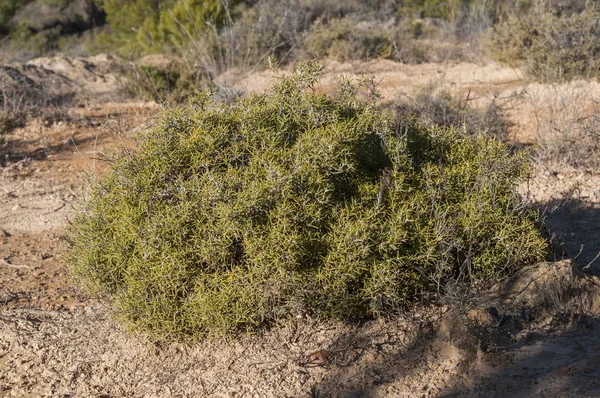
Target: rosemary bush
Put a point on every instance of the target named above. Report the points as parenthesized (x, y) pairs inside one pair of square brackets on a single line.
[(230, 217)]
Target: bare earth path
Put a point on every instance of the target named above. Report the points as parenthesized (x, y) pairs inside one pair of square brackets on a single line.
[(56, 342)]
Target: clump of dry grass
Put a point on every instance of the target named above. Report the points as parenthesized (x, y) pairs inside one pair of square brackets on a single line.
[(434, 105), (567, 125)]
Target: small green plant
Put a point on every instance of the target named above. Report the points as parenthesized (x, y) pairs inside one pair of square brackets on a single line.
[(230, 217), (9, 122)]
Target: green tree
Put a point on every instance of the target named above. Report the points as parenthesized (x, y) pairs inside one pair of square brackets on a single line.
[(125, 17), (184, 21), (146, 26)]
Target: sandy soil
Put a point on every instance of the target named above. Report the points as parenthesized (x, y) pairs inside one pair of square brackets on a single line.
[(55, 341)]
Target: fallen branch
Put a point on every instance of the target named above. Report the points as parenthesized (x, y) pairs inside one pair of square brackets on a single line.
[(6, 263), (57, 209)]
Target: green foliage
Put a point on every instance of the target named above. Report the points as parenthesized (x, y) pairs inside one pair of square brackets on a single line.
[(148, 26), (229, 217), (465, 20), (185, 21), (351, 38), (30, 44), (423, 31), (552, 46), (125, 17), (34, 33)]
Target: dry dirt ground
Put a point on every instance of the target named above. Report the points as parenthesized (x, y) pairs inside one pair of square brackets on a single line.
[(537, 335)]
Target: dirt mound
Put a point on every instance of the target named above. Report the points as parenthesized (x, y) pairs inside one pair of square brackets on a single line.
[(17, 90), (534, 335), (13, 78), (43, 80), (93, 76), (539, 298)]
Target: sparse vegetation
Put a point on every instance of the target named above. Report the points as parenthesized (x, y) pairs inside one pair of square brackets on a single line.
[(405, 30), (347, 38), (8, 8), (8, 122), (436, 106), (150, 26), (245, 35), (33, 28), (230, 217)]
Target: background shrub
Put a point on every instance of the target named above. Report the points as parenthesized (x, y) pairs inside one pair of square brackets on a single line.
[(33, 28), (243, 33), (139, 27), (266, 29), (232, 216), (21, 98), (347, 38), (551, 44), (8, 9), (163, 79)]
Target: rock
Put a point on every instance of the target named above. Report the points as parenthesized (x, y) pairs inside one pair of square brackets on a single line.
[(49, 80), (16, 88), (159, 61), (12, 77), (95, 75)]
